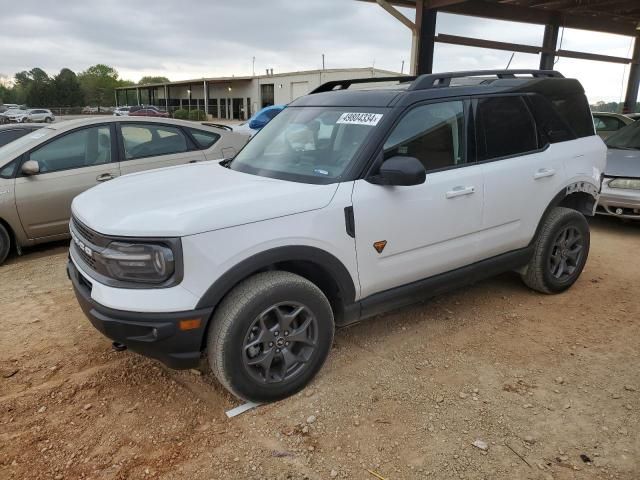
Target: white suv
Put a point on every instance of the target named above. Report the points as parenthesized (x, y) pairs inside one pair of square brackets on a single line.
[(348, 204)]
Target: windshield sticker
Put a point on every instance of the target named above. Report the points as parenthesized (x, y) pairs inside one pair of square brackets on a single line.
[(360, 118), (320, 171)]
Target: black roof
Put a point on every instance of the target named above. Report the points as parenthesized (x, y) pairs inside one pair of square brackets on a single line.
[(406, 89)]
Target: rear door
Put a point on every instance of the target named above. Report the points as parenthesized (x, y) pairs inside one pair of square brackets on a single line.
[(69, 165), (522, 173), (145, 146)]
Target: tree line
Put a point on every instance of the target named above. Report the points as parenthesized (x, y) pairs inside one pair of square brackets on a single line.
[(93, 87), (614, 107)]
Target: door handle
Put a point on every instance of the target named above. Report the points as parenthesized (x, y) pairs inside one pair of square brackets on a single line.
[(104, 177), (460, 191), (544, 172)]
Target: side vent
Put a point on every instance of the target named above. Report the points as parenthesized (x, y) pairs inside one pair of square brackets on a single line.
[(350, 222)]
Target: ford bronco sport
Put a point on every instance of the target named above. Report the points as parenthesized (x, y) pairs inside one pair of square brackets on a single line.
[(349, 203)]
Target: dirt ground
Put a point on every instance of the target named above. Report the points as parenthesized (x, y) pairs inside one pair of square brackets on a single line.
[(542, 380)]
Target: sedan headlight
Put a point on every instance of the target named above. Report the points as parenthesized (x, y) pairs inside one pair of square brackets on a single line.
[(138, 262), (628, 183)]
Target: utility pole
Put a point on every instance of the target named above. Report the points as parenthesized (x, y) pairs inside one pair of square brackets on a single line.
[(402, 68), (323, 61), (253, 67)]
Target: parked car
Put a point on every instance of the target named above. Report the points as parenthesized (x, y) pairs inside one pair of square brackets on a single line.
[(259, 120), (121, 111), (149, 112), (253, 260), (30, 115), (607, 123), (14, 115), (41, 172), (621, 186), (633, 116), (7, 106), (11, 132)]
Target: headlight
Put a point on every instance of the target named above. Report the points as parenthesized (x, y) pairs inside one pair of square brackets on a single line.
[(138, 262), (628, 183)]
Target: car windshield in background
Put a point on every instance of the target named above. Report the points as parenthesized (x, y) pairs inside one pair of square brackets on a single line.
[(308, 144), (627, 138)]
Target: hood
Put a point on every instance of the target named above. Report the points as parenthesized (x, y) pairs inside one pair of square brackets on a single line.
[(623, 163), (191, 199)]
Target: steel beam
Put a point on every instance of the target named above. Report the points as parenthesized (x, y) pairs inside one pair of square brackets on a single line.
[(549, 43), (631, 98), (426, 24)]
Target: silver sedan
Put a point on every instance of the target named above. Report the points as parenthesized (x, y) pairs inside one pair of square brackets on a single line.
[(620, 195)]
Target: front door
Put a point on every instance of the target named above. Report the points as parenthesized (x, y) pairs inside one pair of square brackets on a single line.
[(405, 234), (146, 146), (69, 165)]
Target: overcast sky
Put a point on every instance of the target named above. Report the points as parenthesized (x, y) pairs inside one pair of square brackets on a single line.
[(205, 38)]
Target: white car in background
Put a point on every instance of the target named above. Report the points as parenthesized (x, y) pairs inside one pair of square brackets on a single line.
[(35, 115), (121, 111)]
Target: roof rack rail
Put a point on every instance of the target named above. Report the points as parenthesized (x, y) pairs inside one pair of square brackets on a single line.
[(435, 80), (344, 84)]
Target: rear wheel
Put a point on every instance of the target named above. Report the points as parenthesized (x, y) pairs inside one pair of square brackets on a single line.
[(5, 244), (48, 120), (270, 336), (561, 251)]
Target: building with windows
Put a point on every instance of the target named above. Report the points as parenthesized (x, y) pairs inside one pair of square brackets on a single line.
[(237, 97)]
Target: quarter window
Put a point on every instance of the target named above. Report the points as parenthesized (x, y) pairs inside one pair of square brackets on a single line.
[(551, 126), (82, 148), (203, 138), (152, 140), (431, 133), (504, 127)]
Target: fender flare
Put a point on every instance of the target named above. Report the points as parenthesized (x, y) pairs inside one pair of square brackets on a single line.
[(576, 187), (260, 261)]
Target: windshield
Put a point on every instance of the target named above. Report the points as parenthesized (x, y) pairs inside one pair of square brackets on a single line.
[(7, 152), (308, 144), (627, 138)]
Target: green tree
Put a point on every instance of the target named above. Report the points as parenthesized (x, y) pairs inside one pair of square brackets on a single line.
[(67, 89), (98, 84), (150, 80), (35, 88)]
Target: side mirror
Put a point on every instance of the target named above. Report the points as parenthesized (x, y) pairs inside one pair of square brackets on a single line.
[(400, 171), (30, 167)]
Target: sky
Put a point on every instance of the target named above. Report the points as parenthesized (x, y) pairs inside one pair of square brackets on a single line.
[(208, 38)]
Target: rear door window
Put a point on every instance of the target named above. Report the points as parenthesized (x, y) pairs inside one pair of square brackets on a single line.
[(147, 140), (504, 127)]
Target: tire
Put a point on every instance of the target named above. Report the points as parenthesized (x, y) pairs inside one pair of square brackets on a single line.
[(248, 350), (5, 244), (560, 251), (48, 120)]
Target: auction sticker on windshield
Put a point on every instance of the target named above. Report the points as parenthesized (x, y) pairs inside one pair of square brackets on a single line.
[(360, 118)]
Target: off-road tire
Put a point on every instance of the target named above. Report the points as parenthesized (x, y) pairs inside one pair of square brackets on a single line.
[(5, 244), (234, 320), (538, 274)]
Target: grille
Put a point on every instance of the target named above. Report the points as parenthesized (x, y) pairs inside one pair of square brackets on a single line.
[(85, 232)]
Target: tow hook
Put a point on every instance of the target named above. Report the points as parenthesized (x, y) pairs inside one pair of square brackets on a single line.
[(118, 347)]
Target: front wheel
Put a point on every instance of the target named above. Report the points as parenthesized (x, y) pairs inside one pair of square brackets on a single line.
[(560, 253), (48, 120), (270, 336)]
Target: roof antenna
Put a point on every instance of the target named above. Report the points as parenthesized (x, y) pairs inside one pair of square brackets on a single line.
[(510, 60)]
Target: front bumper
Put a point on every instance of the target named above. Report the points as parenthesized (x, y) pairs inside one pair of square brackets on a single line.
[(155, 335), (619, 202)]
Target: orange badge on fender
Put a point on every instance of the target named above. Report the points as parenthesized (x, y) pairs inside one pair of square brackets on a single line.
[(379, 246)]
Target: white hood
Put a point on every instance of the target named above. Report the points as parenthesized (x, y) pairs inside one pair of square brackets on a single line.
[(190, 199)]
